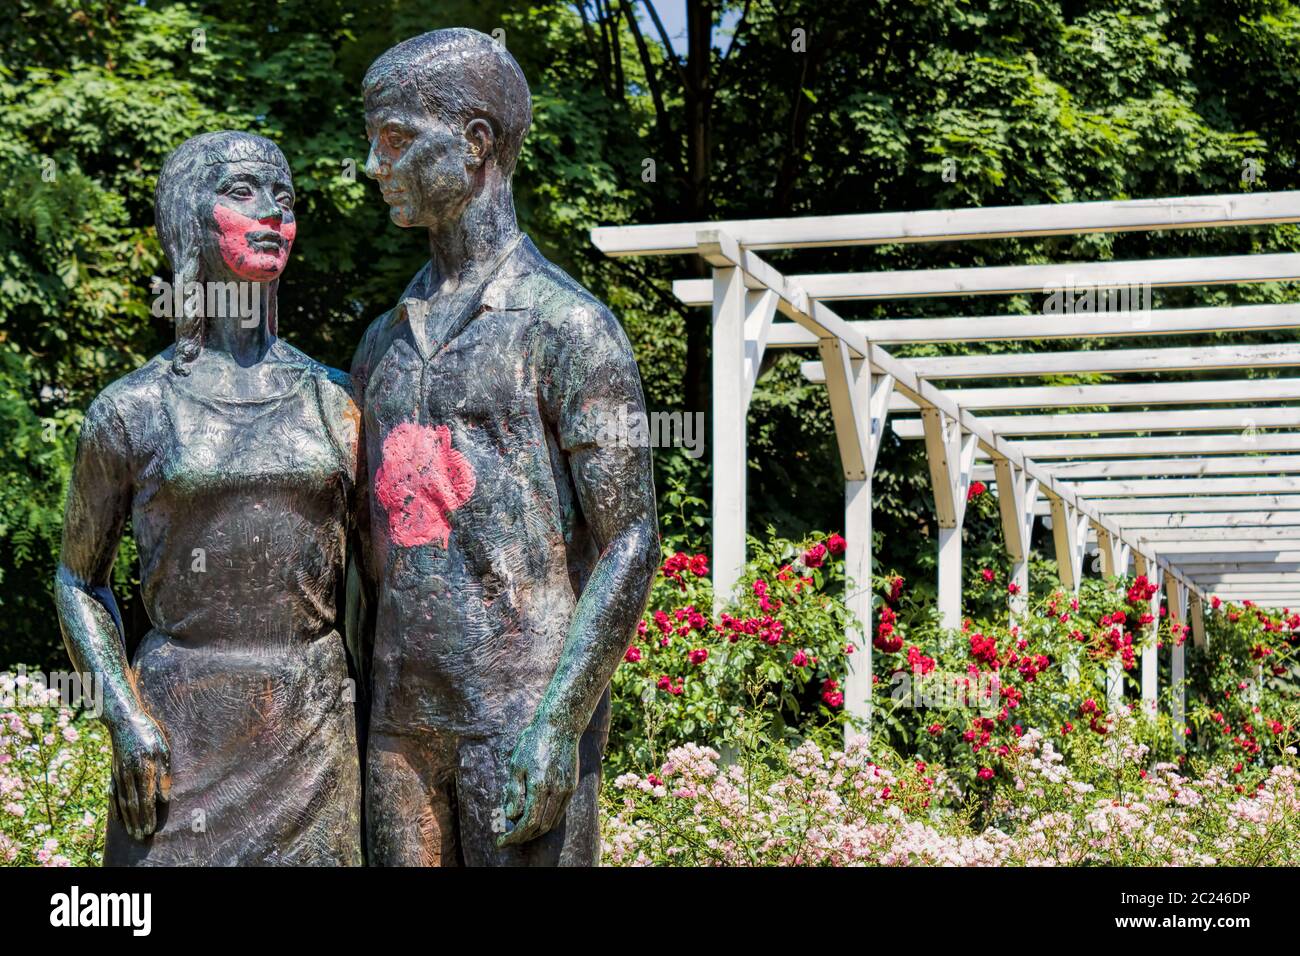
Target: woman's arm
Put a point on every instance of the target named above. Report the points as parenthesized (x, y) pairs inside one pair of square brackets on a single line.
[(99, 498)]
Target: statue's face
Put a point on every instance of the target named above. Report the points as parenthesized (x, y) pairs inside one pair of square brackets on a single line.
[(424, 165), (252, 225)]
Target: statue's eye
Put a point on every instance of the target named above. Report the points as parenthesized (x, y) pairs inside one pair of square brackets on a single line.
[(285, 199), (395, 140), (239, 191)]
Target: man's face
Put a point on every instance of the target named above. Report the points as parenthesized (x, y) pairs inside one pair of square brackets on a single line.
[(420, 162)]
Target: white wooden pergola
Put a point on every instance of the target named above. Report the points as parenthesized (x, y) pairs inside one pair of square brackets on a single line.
[(1197, 482)]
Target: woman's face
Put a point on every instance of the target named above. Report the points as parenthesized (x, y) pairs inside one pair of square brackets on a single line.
[(252, 224)]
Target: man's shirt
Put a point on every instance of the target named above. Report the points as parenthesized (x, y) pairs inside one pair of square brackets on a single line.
[(477, 545)]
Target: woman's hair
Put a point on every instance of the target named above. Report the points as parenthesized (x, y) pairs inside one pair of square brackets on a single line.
[(181, 202)]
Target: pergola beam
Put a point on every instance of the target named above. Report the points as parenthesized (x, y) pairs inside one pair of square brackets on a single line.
[(952, 225), (1089, 423), (1164, 467), (1200, 392), (1188, 505), (1166, 487), (1016, 280), (1240, 443), (1109, 361), (1223, 521), (1009, 328)]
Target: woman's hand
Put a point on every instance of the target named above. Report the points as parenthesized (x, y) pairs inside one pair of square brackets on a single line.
[(141, 773)]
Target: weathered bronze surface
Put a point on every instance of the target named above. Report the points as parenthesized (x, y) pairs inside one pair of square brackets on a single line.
[(234, 455), (510, 552)]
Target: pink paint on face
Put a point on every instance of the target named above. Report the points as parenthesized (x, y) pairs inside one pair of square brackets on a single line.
[(255, 249), (421, 481)]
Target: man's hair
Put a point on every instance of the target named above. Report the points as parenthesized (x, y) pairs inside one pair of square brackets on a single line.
[(460, 75)]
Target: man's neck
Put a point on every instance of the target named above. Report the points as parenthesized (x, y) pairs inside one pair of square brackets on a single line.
[(463, 251)]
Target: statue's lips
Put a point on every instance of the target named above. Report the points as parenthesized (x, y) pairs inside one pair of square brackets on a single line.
[(392, 196), (250, 247), (266, 240)]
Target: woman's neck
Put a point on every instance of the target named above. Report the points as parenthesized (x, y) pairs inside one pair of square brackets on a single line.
[(240, 330)]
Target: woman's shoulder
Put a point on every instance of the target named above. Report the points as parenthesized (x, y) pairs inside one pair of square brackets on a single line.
[(122, 407), (325, 375), (139, 388)]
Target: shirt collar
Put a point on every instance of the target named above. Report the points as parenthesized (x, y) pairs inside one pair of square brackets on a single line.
[(490, 294)]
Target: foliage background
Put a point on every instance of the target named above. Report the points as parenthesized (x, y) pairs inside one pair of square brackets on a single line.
[(1037, 101)]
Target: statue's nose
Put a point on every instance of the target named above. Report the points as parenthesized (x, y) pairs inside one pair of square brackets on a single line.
[(374, 167)]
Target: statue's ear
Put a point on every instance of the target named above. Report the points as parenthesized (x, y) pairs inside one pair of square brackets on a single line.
[(482, 140)]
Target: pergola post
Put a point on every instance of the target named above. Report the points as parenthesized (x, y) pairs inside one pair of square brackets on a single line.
[(1150, 664), (742, 320), (1070, 538), (1017, 495), (951, 456), (1197, 613), (1114, 564), (730, 444), (1176, 593), (858, 569), (859, 403)]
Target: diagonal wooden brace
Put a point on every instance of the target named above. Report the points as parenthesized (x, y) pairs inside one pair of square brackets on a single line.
[(951, 454), (1070, 535)]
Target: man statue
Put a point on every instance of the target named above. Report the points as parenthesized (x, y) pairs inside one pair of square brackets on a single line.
[(509, 553)]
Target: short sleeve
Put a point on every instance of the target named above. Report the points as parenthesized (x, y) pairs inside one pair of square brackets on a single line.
[(595, 388)]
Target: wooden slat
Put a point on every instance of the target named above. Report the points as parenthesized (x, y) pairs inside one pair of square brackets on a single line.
[(950, 225), (1005, 328), (1016, 280), (1087, 423)]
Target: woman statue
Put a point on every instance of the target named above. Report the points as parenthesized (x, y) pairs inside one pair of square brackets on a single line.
[(234, 455)]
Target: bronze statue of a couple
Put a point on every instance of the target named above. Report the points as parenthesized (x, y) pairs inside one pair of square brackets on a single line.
[(448, 499)]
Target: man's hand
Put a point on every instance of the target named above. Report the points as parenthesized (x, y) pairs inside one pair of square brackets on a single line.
[(141, 773), (543, 773)]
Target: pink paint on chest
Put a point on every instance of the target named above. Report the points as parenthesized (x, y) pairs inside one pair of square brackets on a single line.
[(255, 249), (420, 482)]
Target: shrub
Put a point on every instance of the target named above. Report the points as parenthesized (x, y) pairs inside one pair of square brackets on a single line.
[(777, 649), (811, 806), (54, 767)]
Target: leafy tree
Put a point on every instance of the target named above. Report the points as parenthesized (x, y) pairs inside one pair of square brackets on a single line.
[(1031, 101)]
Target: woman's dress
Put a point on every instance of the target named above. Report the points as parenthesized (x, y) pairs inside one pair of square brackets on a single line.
[(240, 514)]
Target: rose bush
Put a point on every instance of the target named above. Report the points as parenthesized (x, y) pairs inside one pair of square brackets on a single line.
[(816, 806), (777, 650), (1003, 742)]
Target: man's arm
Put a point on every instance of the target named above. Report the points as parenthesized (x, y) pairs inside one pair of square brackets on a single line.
[(594, 379)]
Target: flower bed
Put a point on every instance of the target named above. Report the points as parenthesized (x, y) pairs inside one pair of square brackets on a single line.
[(991, 744), (995, 743), (54, 768)]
